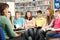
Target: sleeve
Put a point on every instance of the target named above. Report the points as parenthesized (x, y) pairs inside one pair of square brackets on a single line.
[(15, 22), (9, 29), (25, 25), (34, 22), (23, 21), (44, 22)]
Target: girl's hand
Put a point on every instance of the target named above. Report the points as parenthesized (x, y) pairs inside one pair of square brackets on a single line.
[(48, 28), (53, 29)]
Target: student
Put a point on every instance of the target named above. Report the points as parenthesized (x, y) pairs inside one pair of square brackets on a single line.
[(5, 22), (50, 17), (18, 21), (29, 24), (49, 22), (29, 20), (40, 23), (56, 28)]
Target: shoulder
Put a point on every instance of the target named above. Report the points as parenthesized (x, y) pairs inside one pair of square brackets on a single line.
[(22, 19), (3, 17), (36, 18), (44, 19)]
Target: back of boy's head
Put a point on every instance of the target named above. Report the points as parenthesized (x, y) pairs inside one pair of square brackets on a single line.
[(57, 11), (39, 12)]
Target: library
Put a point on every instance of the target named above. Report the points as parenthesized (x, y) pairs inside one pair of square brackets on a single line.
[(31, 5), (29, 19)]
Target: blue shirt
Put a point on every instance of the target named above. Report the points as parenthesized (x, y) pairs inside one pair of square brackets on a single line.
[(20, 22)]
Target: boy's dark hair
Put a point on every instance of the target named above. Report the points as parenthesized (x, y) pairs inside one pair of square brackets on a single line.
[(39, 12), (2, 7), (57, 11)]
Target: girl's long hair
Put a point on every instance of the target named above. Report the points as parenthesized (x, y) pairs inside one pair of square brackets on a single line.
[(30, 18), (50, 17)]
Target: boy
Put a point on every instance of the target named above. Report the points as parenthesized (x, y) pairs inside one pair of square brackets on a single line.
[(40, 21), (18, 21)]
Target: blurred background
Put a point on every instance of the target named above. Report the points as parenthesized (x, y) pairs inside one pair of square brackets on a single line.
[(31, 5)]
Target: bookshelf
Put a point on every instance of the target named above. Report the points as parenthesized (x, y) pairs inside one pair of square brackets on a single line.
[(32, 5)]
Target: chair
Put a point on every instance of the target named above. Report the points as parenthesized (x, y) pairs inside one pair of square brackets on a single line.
[(1, 34)]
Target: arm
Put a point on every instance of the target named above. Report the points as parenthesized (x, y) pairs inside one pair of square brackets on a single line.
[(44, 26), (25, 25), (33, 25), (15, 22), (58, 29), (52, 29), (44, 23), (9, 29), (49, 26), (51, 23), (34, 22), (12, 21)]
